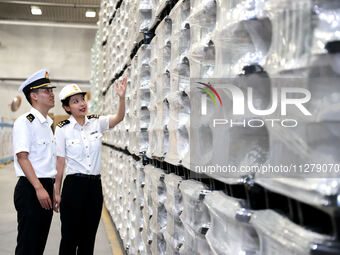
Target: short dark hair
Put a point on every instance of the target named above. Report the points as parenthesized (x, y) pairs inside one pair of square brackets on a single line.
[(28, 95), (66, 102)]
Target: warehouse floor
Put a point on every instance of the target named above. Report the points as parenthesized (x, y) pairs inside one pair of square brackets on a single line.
[(8, 224)]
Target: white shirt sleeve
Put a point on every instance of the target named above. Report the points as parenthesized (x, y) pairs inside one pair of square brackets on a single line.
[(21, 137), (60, 142), (104, 123)]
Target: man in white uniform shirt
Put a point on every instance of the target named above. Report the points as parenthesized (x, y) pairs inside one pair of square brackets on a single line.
[(35, 165)]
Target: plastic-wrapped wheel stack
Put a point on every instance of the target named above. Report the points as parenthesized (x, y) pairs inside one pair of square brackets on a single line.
[(161, 46), (6, 151)]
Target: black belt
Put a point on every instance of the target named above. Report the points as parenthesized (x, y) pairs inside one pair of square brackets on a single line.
[(88, 176), (44, 179)]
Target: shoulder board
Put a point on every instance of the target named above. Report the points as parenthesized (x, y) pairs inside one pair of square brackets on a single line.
[(63, 123), (30, 117), (96, 116)]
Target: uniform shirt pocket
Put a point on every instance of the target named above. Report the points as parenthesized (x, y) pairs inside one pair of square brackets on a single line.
[(40, 148), (43, 142), (95, 137), (73, 148), (95, 142)]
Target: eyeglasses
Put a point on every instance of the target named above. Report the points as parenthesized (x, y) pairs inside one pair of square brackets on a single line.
[(46, 90)]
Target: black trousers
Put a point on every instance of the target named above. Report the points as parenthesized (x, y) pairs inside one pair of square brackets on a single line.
[(33, 221), (80, 211)]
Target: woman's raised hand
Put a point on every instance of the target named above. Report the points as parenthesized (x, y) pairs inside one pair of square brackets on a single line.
[(121, 89)]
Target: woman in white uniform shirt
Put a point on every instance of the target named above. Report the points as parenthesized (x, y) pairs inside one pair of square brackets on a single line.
[(78, 142)]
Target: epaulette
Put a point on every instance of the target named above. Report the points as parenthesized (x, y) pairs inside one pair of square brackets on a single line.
[(30, 117), (63, 123), (96, 116)]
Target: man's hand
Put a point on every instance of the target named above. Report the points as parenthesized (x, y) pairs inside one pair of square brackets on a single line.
[(44, 198), (56, 201), (27, 168)]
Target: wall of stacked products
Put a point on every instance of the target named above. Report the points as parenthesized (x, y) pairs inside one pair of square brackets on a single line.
[(6, 152), (158, 205)]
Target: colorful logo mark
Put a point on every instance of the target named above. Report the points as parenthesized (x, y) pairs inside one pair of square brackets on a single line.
[(209, 93)]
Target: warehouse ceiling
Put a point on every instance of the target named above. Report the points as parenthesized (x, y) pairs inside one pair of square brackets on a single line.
[(61, 11)]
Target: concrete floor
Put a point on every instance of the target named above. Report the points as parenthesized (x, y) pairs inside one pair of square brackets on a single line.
[(8, 223)]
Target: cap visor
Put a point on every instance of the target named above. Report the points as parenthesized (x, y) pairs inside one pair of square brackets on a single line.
[(48, 87)]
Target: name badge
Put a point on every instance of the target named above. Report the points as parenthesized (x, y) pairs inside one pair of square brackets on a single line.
[(94, 132)]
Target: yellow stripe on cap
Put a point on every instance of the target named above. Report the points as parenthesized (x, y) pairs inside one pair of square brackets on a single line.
[(73, 93), (39, 86)]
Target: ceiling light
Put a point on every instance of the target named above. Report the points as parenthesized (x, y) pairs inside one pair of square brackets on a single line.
[(35, 10), (90, 14)]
